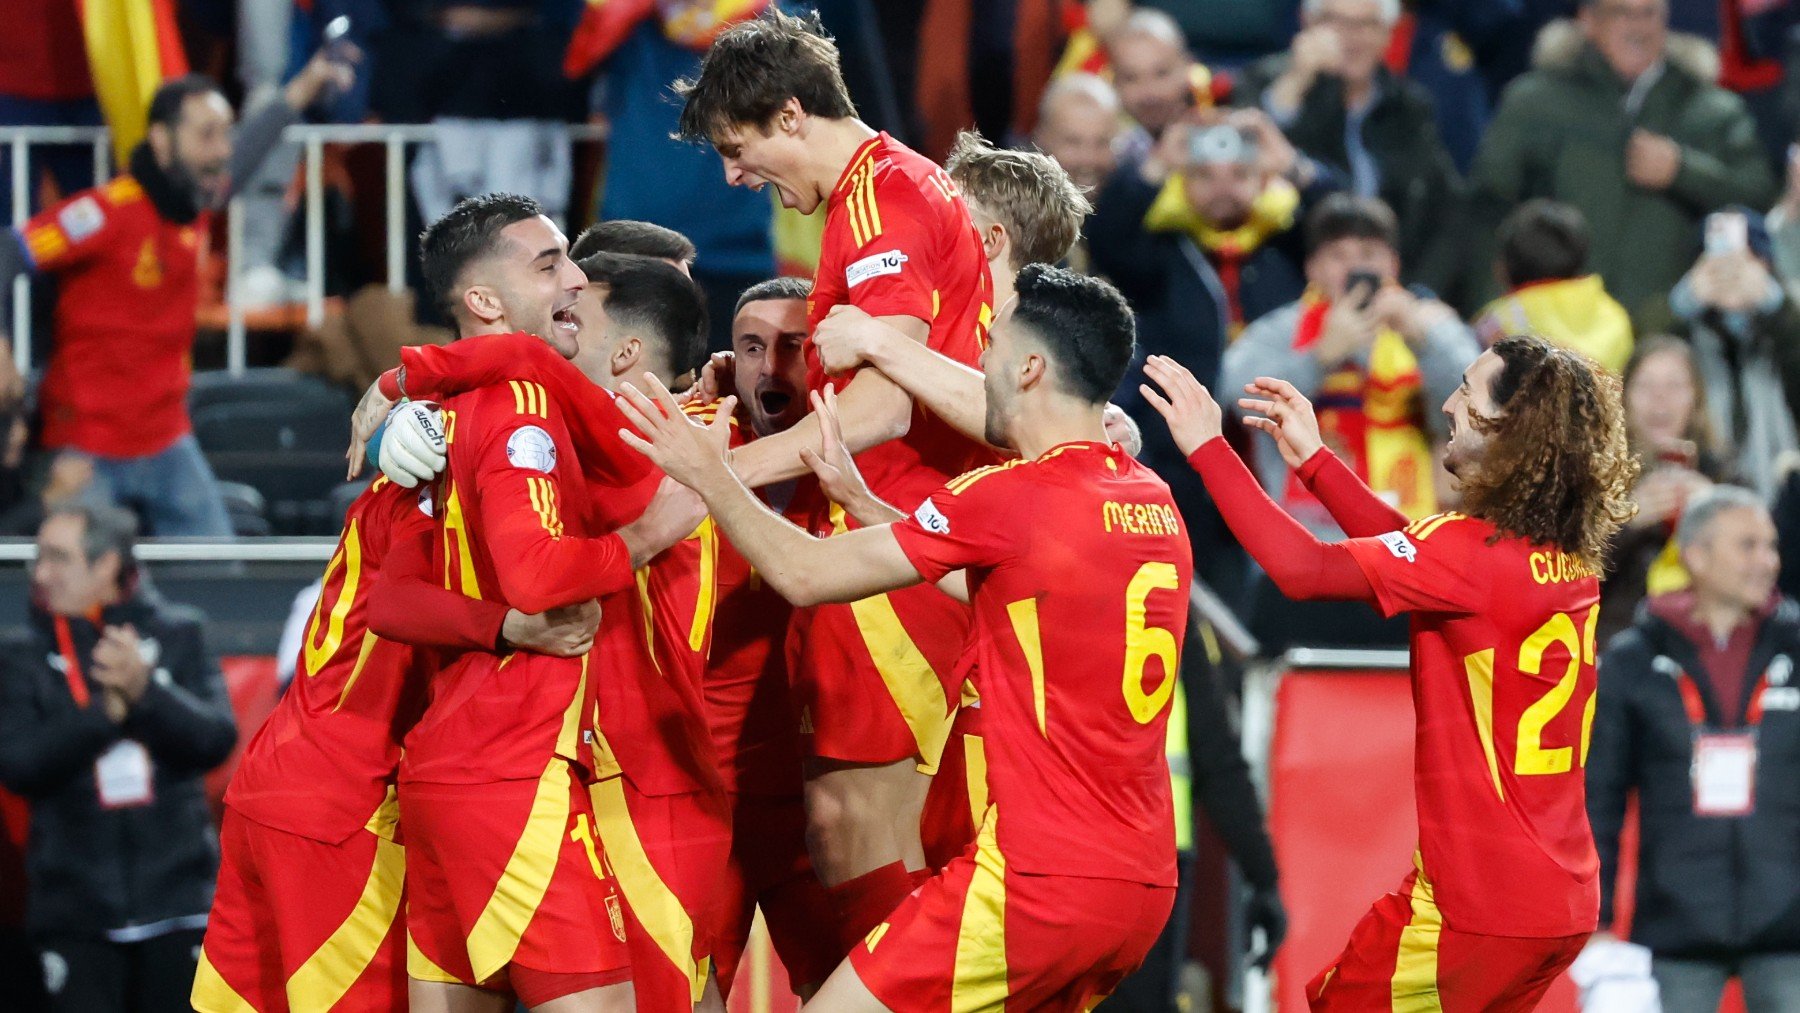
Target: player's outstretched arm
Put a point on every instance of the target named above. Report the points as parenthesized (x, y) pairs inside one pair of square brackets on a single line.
[(1303, 567), (849, 337), (1285, 414), (805, 570), (875, 410)]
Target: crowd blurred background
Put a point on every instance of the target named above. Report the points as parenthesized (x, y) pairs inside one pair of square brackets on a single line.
[(1354, 195)]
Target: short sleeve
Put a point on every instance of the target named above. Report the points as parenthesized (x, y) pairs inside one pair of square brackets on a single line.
[(962, 525), (70, 232), (889, 264), (1431, 565)]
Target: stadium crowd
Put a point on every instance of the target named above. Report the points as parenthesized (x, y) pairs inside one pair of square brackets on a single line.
[(1358, 197)]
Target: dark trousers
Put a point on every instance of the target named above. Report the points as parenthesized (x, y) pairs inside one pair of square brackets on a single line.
[(92, 975)]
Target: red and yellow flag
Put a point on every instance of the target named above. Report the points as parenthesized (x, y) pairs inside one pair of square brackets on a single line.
[(605, 25), (132, 47)]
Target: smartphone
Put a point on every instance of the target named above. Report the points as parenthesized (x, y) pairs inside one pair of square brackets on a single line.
[(1727, 232), (1368, 281)]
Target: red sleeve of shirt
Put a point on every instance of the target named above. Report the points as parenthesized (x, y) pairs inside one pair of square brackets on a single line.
[(520, 515), (406, 607), (1352, 504), (76, 229), (889, 262), (1432, 565), (1301, 566), (968, 522)]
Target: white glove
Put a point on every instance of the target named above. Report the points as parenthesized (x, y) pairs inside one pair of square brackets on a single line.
[(412, 444)]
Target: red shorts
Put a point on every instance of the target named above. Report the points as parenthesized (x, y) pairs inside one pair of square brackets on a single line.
[(302, 924), (876, 680), (509, 873), (668, 854), (771, 869), (958, 794), (979, 936), (1401, 956)]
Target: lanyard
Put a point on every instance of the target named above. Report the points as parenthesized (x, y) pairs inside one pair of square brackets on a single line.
[(65, 645), (1695, 706)]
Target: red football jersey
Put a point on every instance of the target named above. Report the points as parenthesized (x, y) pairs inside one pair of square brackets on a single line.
[(121, 360), (1079, 571), (512, 528), (898, 242), (1503, 689), (321, 764)]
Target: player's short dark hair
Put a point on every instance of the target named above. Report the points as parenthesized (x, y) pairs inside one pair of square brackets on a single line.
[(655, 301), (170, 96), (1543, 240), (785, 287), (1349, 216), (1085, 324), (754, 67), (643, 239), (467, 232)]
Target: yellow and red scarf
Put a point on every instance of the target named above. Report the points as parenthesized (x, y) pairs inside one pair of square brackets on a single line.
[(1270, 215)]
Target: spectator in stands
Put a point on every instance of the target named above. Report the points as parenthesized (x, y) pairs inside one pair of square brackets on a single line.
[(1337, 102), (44, 81), (111, 712), (1745, 331), (1783, 222), (1693, 699), (1078, 125), (1542, 266), (1375, 358), (126, 255), (1622, 120), (1160, 83), (1671, 436)]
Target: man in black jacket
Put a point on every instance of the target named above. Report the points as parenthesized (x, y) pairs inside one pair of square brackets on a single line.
[(111, 712), (1699, 712)]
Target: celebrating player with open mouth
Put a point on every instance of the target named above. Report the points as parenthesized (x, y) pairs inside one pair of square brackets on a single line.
[(1504, 599)]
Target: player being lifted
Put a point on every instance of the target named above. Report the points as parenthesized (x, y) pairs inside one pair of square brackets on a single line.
[(1503, 597), (877, 679), (1078, 570)]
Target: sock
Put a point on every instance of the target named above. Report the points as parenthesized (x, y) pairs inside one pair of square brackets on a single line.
[(864, 902)]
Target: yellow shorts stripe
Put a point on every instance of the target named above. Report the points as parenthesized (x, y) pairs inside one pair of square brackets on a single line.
[(655, 906), (979, 981), (1414, 987), (419, 966), (212, 994), (526, 877), (975, 770), (908, 675), (327, 975)]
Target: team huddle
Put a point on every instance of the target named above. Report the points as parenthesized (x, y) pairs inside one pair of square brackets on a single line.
[(873, 627)]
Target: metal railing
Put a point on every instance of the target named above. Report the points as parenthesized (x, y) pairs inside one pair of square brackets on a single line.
[(394, 137), (160, 550)]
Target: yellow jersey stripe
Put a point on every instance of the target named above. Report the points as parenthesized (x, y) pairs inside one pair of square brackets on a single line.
[(1414, 989), (369, 641), (874, 210), (526, 878), (975, 769), (1479, 667), (863, 154), (213, 994), (708, 534), (649, 607), (979, 979), (327, 975), (656, 907), (46, 243), (518, 393), (1024, 616)]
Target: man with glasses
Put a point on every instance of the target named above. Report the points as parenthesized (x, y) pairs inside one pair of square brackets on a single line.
[(1622, 119)]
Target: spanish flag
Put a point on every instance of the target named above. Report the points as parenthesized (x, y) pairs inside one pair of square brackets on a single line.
[(605, 25), (133, 47)]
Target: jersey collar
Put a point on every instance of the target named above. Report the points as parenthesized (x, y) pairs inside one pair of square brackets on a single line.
[(862, 155)]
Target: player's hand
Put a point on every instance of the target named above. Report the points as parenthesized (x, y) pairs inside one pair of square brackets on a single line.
[(673, 514), (1192, 414), (370, 413), (1285, 414), (119, 665), (718, 376), (838, 474), (688, 451), (1122, 429), (566, 632), (846, 338), (413, 448), (1266, 912)]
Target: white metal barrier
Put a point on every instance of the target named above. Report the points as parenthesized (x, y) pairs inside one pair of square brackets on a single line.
[(157, 550), (394, 137)]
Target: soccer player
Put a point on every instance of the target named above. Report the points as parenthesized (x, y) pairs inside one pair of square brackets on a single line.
[(504, 878), (1503, 597), (639, 239), (877, 679), (307, 914), (1079, 569)]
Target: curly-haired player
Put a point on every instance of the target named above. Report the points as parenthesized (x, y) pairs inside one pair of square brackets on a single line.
[(1504, 599)]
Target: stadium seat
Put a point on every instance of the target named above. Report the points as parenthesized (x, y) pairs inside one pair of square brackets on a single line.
[(290, 451), (262, 383), (248, 510)]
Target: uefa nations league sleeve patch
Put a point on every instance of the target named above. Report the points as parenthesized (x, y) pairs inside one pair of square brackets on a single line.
[(532, 448)]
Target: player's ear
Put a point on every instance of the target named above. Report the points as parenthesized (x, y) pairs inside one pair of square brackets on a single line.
[(994, 241), (790, 119), (626, 357), (162, 142), (1032, 370), (483, 303)]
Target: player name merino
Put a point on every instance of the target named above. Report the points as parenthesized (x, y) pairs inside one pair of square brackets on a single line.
[(1140, 518)]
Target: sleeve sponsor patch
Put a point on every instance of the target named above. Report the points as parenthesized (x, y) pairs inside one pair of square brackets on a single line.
[(81, 219), (931, 518), (874, 266), (1398, 544), (532, 448)]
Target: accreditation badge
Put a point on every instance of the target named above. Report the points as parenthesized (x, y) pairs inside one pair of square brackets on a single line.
[(1724, 774)]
